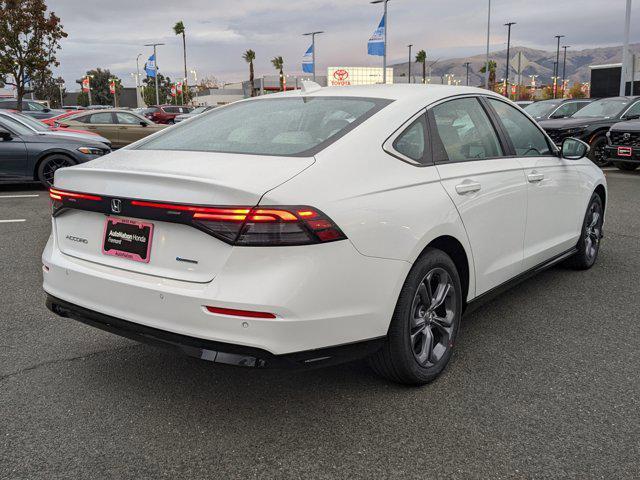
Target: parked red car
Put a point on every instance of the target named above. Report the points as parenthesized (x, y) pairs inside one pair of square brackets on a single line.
[(53, 120), (165, 113)]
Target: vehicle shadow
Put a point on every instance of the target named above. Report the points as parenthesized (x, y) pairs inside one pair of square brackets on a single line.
[(21, 187)]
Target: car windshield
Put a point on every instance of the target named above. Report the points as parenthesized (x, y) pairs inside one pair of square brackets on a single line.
[(607, 108), (33, 123), (13, 124), (540, 109), (289, 126)]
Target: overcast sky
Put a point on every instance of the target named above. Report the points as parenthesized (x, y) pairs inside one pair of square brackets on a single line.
[(110, 33)]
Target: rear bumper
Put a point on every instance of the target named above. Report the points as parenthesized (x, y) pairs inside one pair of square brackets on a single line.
[(322, 296), (611, 153), (217, 352)]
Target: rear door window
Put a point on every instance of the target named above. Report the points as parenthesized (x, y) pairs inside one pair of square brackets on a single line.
[(103, 118), (465, 131)]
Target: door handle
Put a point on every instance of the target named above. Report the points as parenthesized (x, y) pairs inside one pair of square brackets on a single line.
[(534, 177), (467, 187)]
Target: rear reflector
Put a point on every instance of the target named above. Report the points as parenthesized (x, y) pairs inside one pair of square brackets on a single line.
[(240, 313)]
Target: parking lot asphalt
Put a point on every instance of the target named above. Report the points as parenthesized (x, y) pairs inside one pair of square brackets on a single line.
[(544, 383)]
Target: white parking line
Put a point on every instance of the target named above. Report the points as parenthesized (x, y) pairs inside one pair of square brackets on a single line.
[(19, 196), (14, 221)]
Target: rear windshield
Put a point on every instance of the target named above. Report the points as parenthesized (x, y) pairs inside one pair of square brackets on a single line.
[(275, 126), (607, 108), (540, 109)]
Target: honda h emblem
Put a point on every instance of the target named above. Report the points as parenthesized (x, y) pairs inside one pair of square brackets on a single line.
[(116, 205)]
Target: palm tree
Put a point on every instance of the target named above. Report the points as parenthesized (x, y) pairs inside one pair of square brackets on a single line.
[(179, 29), (278, 64), (421, 57), (492, 71), (249, 56)]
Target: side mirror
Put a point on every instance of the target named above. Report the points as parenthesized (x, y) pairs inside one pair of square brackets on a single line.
[(573, 149), (5, 135), (46, 110), (143, 123), (631, 117)]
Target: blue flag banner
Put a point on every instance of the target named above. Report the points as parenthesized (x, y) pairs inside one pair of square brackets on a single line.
[(376, 42), (307, 60), (150, 66)]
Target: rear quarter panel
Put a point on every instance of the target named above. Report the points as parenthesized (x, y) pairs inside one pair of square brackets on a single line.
[(387, 208)]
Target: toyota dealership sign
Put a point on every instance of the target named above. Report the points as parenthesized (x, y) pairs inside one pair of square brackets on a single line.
[(345, 76)]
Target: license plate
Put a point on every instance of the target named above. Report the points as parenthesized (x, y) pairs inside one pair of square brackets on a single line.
[(127, 239), (625, 151)]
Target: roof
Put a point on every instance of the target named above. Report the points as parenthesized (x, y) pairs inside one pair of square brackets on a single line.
[(392, 92)]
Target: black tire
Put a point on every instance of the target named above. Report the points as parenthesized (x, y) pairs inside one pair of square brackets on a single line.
[(590, 235), (627, 167), (597, 152), (402, 358), (48, 166)]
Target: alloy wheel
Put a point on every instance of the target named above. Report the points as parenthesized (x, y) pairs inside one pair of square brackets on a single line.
[(593, 232), (51, 165), (432, 316)]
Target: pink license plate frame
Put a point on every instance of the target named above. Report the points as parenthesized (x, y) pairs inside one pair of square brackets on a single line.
[(625, 151), (124, 253)]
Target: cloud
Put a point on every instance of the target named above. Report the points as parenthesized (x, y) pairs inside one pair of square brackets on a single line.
[(111, 34)]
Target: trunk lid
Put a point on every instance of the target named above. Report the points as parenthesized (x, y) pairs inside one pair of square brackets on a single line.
[(177, 251)]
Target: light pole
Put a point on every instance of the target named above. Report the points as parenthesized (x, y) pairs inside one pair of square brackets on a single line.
[(113, 80), (195, 80), (506, 75), (89, 77), (386, 28), (410, 45), (625, 50), (313, 49), (466, 64), (557, 67), (155, 66), (486, 66), (564, 66), (60, 84)]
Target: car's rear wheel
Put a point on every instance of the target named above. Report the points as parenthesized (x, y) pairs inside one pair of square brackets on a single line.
[(424, 324), (48, 166), (597, 152), (629, 167), (590, 236)]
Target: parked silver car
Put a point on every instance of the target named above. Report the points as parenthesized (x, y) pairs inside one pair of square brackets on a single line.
[(193, 113)]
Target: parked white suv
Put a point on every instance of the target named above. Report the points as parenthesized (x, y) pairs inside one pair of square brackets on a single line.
[(317, 226)]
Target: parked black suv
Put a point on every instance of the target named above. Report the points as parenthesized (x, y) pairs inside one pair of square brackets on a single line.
[(592, 122), (623, 147), (559, 108)]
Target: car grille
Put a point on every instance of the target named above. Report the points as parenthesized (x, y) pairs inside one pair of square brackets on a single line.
[(618, 139), (557, 136)]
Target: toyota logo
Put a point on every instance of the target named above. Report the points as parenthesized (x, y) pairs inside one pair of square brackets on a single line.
[(116, 205), (341, 75)]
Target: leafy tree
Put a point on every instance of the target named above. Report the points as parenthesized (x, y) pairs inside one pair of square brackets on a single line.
[(421, 57), (164, 90), (99, 82), (278, 64), (547, 92), (576, 91), (179, 29), (29, 40), (492, 71), (45, 87), (249, 56)]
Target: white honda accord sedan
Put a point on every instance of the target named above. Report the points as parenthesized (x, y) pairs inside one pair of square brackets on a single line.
[(321, 225)]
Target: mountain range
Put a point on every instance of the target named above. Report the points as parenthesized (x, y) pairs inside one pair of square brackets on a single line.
[(540, 62)]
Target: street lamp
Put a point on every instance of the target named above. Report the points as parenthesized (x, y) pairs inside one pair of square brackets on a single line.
[(466, 64), (410, 45), (386, 28), (486, 73), (508, 25), (564, 66), (625, 50), (60, 83), (89, 77), (556, 68), (313, 49), (155, 65)]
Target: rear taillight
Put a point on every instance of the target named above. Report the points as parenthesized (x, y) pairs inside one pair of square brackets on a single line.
[(259, 226), (245, 226), (269, 226)]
